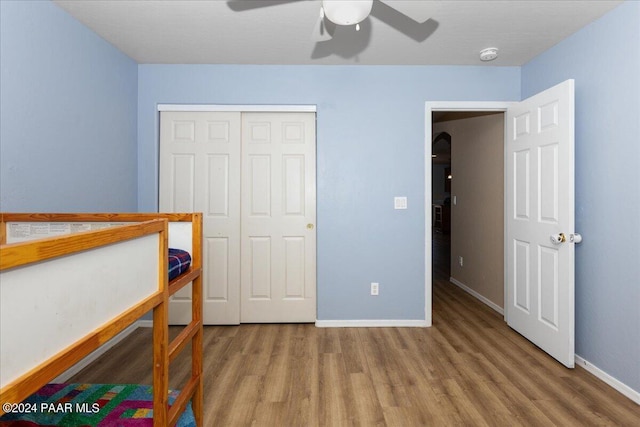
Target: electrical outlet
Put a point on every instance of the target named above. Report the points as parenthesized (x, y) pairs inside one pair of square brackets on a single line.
[(375, 287), (461, 261), (400, 203)]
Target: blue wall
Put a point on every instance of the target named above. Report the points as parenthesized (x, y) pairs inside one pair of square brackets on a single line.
[(370, 148), (67, 113), (604, 60)]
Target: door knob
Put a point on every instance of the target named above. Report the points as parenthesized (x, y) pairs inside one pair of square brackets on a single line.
[(556, 239), (310, 226), (575, 238)]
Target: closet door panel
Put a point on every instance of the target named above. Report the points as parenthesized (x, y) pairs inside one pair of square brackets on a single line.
[(278, 278), (200, 171)]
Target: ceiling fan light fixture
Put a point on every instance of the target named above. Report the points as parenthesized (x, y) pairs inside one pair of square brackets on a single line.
[(489, 54), (347, 12)]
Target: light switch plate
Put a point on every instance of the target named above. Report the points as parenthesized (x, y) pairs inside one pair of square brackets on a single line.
[(400, 203)]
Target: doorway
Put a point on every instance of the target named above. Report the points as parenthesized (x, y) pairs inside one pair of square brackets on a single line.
[(539, 214), (468, 203), (441, 178), (435, 246)]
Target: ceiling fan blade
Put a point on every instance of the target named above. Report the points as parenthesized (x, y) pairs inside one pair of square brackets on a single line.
[(242, 5), (418, 31), (419, 11)]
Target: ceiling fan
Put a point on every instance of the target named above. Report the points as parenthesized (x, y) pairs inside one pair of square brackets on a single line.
[(408, 17)]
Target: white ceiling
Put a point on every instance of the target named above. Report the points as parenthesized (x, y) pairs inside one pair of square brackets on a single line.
[(210, 32)]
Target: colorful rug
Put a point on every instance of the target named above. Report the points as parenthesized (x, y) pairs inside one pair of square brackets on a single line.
[(91, 405)]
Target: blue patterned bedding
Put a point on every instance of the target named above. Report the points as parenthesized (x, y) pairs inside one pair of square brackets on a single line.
[(179, 262)]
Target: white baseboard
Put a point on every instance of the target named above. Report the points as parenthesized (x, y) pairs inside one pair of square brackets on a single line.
[(145, 323), (93, 356), (613, 382), (371, 324), (475, 294)]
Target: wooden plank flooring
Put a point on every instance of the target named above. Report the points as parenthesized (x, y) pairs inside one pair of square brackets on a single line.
[(468, 369)]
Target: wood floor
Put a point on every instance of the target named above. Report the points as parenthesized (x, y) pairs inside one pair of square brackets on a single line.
[(468, 369)]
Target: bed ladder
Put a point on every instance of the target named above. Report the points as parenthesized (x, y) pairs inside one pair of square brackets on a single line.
[(165, 352)]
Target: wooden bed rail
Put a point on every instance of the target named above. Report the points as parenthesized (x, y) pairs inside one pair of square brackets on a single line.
[(62, 217), (95, 217), (18, 254)]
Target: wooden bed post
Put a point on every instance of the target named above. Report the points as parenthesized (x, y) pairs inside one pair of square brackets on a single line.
[(161, 338), (3, 230), (196, 347)]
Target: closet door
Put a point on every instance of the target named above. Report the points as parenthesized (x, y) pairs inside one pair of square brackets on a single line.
[(200, 172), (278, 278)]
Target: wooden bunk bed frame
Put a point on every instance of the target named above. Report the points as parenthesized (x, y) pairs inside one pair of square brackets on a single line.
[(17, 255)]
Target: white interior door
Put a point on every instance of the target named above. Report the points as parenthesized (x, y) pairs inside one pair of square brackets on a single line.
[(278, 218), (200, 172), (540, 205)]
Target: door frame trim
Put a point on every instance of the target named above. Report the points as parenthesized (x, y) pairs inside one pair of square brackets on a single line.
[(233, 108), (430, 107)]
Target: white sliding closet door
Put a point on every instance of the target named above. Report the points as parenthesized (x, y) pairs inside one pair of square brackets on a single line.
[(200, 172), (259, 260), (278, 217)]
